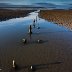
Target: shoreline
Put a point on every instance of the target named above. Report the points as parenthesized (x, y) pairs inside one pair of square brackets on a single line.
[(60, 17), (54, 54), (6, 14)]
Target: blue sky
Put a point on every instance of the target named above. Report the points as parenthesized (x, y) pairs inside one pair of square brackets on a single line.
[(25, 2)]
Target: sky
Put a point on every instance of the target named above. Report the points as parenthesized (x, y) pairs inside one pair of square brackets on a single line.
[(26, 2)]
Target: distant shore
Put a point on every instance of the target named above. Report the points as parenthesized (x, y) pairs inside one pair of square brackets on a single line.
[(6, 14), (61, 17)]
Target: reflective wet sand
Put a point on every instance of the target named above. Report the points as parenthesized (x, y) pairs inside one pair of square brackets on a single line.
[(56, 46), (60, 17)]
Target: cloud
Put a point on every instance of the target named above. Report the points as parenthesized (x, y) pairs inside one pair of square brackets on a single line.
[(23, 2)]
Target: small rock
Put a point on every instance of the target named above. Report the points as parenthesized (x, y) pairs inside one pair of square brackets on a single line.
[(38, 27), (24, 40), (0, 69), (39, 41)]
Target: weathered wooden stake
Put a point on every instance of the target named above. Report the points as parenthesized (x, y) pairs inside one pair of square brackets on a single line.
[(30, 29), (14, 64)]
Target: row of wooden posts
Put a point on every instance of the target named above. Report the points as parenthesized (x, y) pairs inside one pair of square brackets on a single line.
[(15, 67), (30, 31), (25, 41)]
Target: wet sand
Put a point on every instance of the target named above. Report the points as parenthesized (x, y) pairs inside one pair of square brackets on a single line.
[(60, 17), (53, 55), (6, 14)]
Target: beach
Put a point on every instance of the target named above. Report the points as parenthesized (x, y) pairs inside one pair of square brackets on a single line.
[(60, 17), (6, 14), (53, 54)]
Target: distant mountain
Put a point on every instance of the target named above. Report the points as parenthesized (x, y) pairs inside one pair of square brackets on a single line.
[(38, 5), (54, 6), (46, 5), (68, 3), (7, 5), (66, 6)]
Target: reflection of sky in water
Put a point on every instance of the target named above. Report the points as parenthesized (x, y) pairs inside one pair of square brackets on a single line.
[(20, 25), (15, 29), (51, 26), (22, 20)]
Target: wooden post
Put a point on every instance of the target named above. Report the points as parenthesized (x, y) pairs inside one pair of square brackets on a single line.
[(14, 64), (32, 68), (30, 29), (34, 23)]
